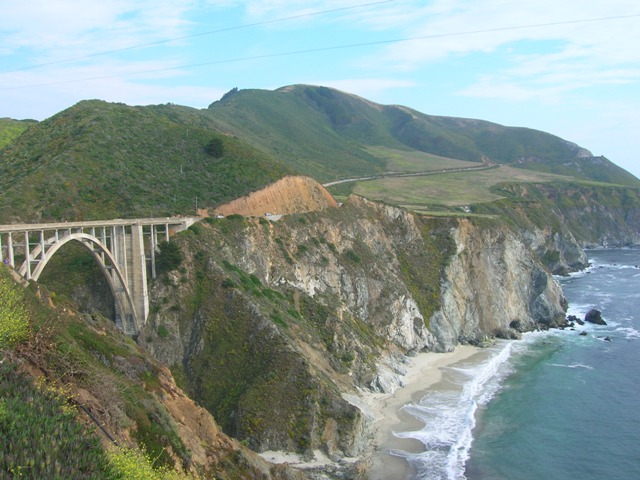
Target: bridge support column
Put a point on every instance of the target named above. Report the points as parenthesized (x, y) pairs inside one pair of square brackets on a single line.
[(137, 275), (10, 251), (126, 318), (27, 255), (128, 248)]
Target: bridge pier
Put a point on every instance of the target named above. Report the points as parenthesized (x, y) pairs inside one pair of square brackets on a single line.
[(118, 246)]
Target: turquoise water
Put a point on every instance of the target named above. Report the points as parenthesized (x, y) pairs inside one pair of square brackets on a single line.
[(553, 406)]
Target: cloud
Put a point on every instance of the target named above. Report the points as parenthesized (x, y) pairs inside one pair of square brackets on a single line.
[(567, 55), (67, 28)]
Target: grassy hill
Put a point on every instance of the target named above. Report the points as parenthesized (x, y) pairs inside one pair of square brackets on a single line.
[(10, 129), (329, 134), (103, 160), (98, 160)]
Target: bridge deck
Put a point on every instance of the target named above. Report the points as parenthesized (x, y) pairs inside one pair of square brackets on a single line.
[(25, 227)]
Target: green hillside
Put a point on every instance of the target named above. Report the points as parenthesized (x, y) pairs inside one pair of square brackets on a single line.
[(320, 136), (329, 134), (101, 160), (104, 160), (10, 129)]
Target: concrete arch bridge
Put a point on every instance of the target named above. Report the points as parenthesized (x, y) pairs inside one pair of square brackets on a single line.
[(122, 249)]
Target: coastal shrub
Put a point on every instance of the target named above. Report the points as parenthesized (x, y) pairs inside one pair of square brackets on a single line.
[(353, 256), (130, 464), (196, 228), (14, 321), (215, 147), (162, 331), (277, 319), (41, 437), (169, 258)]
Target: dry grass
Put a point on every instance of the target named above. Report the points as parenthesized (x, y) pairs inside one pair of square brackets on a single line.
[(448, 189), (415, 161)]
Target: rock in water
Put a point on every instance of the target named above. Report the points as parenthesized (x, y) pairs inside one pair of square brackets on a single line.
[(594, 316), (574, 319)]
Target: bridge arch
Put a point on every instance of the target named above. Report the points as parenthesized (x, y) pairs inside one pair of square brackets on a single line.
[(109, 267), (121, 247)]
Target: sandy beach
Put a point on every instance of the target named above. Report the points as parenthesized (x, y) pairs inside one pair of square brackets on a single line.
[(423, 372)]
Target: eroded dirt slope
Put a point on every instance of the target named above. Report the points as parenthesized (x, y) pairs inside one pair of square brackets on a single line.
[(287, 195)]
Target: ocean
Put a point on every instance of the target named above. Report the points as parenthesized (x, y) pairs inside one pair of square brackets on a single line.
[(555, 405)]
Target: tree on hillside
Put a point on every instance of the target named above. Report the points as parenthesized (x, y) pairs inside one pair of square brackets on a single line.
[(169, 258), (215, 147)]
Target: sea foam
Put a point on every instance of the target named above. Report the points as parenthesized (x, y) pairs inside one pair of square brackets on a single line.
[(448, 412)]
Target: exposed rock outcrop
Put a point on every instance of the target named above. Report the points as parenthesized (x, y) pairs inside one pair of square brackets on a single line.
[(594, 316), (559, 220), (272, 322), (491, 282)]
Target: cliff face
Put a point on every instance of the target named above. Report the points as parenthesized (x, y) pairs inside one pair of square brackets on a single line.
[(269, 323), (494, 284), (558, 220)]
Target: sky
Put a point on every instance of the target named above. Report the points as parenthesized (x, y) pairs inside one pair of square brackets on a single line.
[(570, 67)]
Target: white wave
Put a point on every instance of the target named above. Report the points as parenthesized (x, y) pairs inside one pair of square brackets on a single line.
[(628, 332), (574, 365), (449, 417), (579, 310), (577, 274), (614, 266)]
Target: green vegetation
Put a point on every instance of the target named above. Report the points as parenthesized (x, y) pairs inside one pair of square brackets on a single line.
[(73, 274), (215, 147), (450, 190), (565, 206), (246, 370), (423, 267), (152, 161), (74, 353), (162, 331), (101, 160), (265, 357), (40, 435), (169, 257), (408, 160), (243, 378), (11, 129), (308, 128), (331, 135), (14, 323), (41, 438)]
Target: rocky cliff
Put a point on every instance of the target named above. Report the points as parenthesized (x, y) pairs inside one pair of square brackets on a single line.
[(493, 285), (269, 324), (559, 220)]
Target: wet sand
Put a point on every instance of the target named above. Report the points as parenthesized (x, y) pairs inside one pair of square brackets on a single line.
[(423, 372)]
